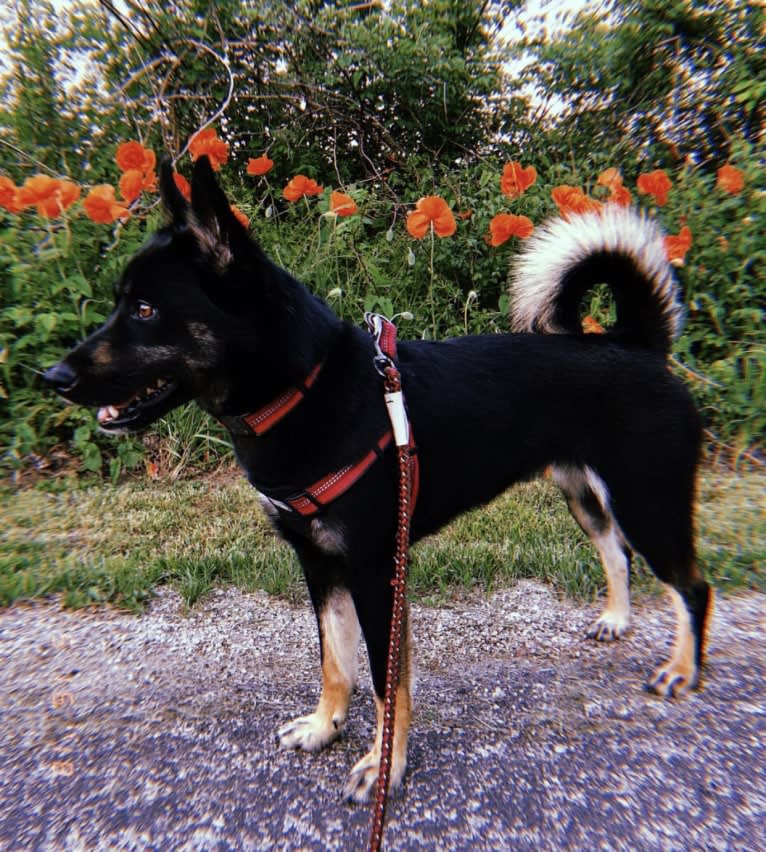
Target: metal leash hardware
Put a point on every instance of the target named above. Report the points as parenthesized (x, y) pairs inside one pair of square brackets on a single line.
[(395, 405)]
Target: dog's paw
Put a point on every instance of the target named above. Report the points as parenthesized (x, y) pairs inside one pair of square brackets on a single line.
[(363, 778), (672, 680), (608, 627), (309, 733)]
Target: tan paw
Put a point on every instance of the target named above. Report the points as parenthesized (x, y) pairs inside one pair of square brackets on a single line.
[(608, 627), (673, 680), (309, 733), (363, 777)]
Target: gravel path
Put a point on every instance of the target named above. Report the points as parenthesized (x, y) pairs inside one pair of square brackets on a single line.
[(157, 731)]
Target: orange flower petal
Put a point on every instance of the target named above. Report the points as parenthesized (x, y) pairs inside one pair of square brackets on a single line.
[(259, 165), (571, 199), (505, 225), (418, 224), (240, 216), (131, 184), (677, 245), (342, 204), (656, 184), (101, 206), (516, 179), (730, 179), (133, 155), (184, 187), (38, 188), (9, 195), (206, 143), (591, 326), (299, 186), (436, 211), (611, 178), (620, 195)]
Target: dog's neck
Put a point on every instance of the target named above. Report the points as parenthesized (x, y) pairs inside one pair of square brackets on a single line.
[(280, 345)]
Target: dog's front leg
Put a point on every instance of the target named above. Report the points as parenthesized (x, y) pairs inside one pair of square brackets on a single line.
[(363, 776), (339, 641), (339, 634)]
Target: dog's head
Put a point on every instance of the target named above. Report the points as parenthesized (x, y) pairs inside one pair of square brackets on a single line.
[(162, 344)]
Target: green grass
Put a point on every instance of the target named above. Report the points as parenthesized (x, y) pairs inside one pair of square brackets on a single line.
[(116, 544)]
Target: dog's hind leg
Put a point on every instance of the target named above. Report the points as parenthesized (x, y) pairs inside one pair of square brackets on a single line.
[(658, 523), (693, 605), (339, 635), (588, 500)]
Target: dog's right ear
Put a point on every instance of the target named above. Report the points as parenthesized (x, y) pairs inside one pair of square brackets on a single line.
[(170, 194)]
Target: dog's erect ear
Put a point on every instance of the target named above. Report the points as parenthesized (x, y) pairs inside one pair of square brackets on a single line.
[(171, 196), (214, 223)]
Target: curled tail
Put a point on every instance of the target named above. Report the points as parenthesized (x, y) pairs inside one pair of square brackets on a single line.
[(618, 247)]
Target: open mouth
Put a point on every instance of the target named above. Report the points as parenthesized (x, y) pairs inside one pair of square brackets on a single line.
[(137, 410)]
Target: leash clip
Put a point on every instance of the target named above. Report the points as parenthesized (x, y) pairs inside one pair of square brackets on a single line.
[(377, 325)]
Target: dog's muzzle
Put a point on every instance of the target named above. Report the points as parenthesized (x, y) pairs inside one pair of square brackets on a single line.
[(61, 378)]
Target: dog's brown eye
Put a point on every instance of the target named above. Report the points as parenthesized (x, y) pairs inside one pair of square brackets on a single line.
[(145, 311)]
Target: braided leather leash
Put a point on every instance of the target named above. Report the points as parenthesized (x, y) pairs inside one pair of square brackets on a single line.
[(395, 403)]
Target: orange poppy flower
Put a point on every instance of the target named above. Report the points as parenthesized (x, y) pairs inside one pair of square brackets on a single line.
[(677, 246), (207, 143), (505, 225), (9, 195), (184, 187), (259, 165), (49, 195), (299, 186), (66, 195), (240, 216), (730, 179), (571, 199), (610, 178), (38, 188), (101, 205), (133, 155), (516, 179), (657, 184), (431, 212), (342, 204), (591, 326)]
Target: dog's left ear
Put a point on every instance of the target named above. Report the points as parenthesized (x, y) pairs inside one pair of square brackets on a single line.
[(213, 222), (171, 196)]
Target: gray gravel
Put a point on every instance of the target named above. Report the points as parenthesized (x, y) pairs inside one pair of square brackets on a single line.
[(158, 731)]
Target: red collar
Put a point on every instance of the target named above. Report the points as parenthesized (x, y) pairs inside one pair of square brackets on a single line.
[(260, 421)]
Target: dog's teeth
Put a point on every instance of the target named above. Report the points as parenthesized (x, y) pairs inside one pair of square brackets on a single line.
[(113, 412)]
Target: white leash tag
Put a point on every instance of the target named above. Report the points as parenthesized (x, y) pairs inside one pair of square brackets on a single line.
[(398, 417)]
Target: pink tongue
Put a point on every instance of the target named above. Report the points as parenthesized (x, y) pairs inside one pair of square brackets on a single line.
[(109, 412)]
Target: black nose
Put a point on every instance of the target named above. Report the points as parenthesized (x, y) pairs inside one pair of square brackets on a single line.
[(61, 377)]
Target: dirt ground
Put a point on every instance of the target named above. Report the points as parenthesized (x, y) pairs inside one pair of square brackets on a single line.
[(158, 731)]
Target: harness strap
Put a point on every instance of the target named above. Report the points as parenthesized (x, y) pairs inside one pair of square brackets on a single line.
[(332, 486)]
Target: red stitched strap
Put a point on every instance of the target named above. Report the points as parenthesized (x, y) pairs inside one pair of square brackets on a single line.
[(388, 338), (262, 420), (335, 484)]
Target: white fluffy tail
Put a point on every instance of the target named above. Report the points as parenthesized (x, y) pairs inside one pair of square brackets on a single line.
[(617, 246)]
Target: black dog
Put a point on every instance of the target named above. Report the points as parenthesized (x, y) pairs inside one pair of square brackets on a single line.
[(201, 313)]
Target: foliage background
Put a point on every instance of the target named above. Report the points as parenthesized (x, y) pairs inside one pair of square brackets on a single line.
[(389, 102)]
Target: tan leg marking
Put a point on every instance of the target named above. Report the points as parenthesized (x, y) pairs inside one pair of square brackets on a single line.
[(679, 674), (615, 619), (340, 633), (364, 775)]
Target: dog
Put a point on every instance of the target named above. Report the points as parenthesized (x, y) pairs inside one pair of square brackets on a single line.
[(202, 314)]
